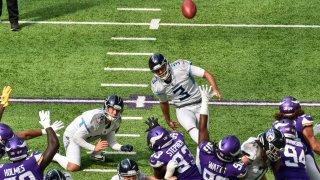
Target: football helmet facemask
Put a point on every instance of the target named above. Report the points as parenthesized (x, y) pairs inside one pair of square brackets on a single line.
[(157, 62), (115, 102), (16, 149), (273, 142)]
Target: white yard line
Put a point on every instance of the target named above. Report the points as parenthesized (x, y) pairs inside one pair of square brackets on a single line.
[(123, 85), (172, 24), (138, 9), (134, 38), (126, 69), (128, 135), (129, 54), (131, 118), (100, 170)]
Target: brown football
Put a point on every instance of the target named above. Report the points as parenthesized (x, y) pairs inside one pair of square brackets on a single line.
[(189, 9)]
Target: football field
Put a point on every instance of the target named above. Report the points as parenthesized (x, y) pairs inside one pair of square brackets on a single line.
[(70, 55)]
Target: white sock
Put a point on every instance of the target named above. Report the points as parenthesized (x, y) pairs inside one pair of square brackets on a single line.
[(62, 160), (194, 133)]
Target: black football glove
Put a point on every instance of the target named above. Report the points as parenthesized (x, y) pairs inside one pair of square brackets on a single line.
[(126, 148), (152, 122)]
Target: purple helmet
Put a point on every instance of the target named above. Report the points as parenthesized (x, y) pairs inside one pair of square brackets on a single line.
[(16, 149), (273, 142), (158, 138), (289, 105), (5, 133), (228, 148), (287, 127)]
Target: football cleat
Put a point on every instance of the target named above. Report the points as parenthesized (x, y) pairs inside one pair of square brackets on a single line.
[(100, 157)]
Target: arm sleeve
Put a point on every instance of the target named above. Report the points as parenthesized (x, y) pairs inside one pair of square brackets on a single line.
[(79, 139), (196, 71), (112, 141)]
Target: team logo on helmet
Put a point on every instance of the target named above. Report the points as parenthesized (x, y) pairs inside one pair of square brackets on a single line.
[(270, 135)]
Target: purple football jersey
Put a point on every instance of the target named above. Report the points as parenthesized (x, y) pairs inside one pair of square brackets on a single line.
[(26, 169), (213, 168), (293, 159), (302, 122), (179, 152)]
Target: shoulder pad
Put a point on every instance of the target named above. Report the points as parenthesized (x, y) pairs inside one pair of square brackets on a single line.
[(180, 64), (207, 147), (176, 135), (155, 159), (305, 120)]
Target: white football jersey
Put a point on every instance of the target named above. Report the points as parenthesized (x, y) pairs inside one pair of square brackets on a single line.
[(183, 88), (91, 125), (252, 151)]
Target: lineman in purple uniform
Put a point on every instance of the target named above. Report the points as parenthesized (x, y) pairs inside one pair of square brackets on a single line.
[(293, 157), (170, 150), (290, 109), (220, 162), (32, 167)]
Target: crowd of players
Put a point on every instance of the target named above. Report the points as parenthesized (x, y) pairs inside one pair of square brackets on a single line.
[(286, 148)]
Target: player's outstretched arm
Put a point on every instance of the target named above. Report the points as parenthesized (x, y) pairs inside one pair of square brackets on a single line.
[(311, 139), (4, 99), (52, 148), (206, 95), (45, 122), (29, 134), (210, 78)]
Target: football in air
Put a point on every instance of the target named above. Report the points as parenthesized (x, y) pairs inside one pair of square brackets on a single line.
[(189, 9)]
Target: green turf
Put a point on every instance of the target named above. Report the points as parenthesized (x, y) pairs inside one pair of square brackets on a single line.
[(67, 61)]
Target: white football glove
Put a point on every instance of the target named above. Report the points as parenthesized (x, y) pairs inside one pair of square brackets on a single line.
[(44, 119), (206, 92), (316, 129), (206, 95), (56, 126)]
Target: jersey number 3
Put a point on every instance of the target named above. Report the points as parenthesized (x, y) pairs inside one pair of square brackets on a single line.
[(181, 92)]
